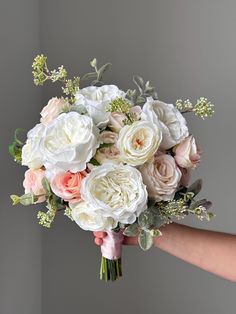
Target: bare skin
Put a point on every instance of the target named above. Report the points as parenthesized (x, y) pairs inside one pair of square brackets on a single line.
[(212, 251)]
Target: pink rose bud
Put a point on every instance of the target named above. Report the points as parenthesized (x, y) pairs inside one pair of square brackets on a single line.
[(187, 153), (67, 185), (52, 109), (116, 121), (33, 183)]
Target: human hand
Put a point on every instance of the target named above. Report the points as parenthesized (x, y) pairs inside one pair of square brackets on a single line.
[(99, 236)]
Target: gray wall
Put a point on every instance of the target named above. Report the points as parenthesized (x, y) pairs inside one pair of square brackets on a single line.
[(20, 235), (186, 48)]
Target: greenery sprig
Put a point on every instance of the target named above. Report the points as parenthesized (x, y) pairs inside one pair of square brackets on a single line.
[(144, 90), (148, 224), (202, 109), (96, 76), (41, 74), (15, 148)]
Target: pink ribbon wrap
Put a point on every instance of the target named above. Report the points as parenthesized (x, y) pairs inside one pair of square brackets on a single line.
[(111, 247)]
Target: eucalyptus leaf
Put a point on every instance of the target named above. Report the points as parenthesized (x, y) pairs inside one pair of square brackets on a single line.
[(131, 230), (28, 199), (102, 70), (195, 187), (199, 203), (89, 76), (139, 82), (145, 240)]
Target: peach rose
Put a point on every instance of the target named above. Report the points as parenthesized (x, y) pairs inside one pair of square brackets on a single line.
[(161, 176), (52, 109), (187, 153), (67, 185), (33, 183)]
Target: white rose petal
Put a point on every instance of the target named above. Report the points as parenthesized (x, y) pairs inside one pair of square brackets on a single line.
[(117, 190), (172, 123), (139, 142), (89, 218), (96, 99), (69, 142), (31, 155)]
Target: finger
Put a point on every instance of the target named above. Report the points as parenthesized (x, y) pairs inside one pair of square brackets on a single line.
[(100, 234), (98, 241), (130, 241)]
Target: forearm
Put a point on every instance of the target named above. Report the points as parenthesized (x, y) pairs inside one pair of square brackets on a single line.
[(212, 251)]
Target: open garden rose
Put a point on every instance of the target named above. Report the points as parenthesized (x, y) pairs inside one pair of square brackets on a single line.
[(172, 123), (31, 154), (138, 142), (161, 176), (67, 185), (69, 142), (33, 183), (53, 109), (90, 218), (96, 100), (116, 189), (187, 153)]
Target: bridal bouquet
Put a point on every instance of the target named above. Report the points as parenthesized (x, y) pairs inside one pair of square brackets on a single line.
[(111, 160)]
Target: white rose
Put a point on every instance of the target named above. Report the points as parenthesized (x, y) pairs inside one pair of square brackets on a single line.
[(173, 124), (161, 176), (31, 155), (138, 142), (96, 99), (69, 142), (89, 218), (52, 109), (116, 189)]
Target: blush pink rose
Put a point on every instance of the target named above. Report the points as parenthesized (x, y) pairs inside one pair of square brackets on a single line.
[(161, 176), (52, 109), (33, 183), (67, 185), (187, 153)]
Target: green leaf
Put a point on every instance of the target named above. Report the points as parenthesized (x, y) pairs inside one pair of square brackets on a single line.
[(104, 145), (155, 233), (199, 203), (89, 76), (131, 230), (28, 199), (138, 80), (46, 186), (94, 162), (145, 219), (195, 187), (93, 63), (102, 70), (15, 199), (145, 240)]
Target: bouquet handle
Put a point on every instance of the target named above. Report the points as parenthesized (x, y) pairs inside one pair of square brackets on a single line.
[(111, 250)]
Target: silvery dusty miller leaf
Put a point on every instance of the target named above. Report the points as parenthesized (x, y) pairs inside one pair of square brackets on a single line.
[(145, 240)]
